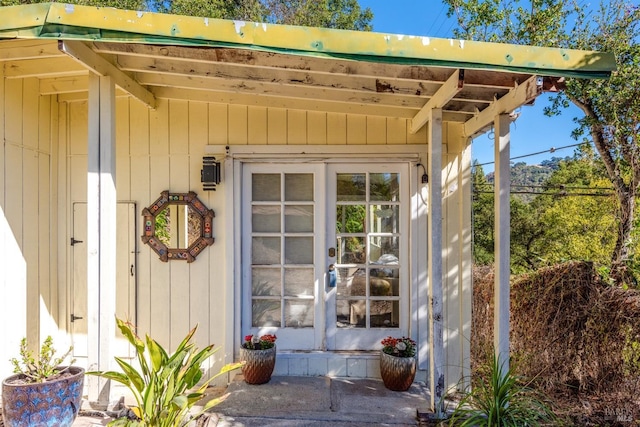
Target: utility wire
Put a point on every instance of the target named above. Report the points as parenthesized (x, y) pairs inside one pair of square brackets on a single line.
[(550, 150), (560, 194)]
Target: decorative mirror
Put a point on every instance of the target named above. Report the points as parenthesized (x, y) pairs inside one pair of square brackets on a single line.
[(178, 226)]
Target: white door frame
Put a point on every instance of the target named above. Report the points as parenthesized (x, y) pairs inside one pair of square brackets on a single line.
[(235, 156)]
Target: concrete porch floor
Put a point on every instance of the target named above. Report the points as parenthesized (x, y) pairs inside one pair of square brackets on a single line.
[(288, 401)]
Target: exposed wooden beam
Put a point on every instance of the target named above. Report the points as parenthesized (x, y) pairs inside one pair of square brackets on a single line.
[(100, 66), (276, 89), (44, 67), (260, 59), (447, 91), (57, 85), (28, 49), (518, 96), (365, 84), (262, 100)]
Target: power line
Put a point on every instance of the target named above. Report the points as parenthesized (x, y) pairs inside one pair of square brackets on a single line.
[(559, 194), (550, 150)]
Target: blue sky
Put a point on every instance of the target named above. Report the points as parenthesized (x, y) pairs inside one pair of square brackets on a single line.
[(532, 132)]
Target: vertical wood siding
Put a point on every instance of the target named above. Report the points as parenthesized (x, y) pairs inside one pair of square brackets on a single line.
[(156, 150), (28, 279)]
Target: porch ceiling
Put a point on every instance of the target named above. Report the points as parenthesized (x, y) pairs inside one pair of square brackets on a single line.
[(239, 65)]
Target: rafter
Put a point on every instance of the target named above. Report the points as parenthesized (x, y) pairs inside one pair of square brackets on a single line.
[(99, 65), (519, 95), (447, 91)]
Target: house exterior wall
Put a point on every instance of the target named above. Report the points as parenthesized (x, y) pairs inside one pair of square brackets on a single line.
[(162, 149), (28, 217)]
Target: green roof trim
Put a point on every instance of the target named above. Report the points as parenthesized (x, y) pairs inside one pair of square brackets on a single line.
[(64, 21)]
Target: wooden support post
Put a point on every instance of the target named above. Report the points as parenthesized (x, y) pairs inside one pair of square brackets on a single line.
[(101, 234), (502, 239), (434, 230)]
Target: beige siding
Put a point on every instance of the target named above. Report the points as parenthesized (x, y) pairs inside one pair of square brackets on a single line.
[(456, 246), (160, 150), (28, 281)]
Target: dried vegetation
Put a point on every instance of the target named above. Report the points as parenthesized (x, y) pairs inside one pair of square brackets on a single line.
[(575, 337)]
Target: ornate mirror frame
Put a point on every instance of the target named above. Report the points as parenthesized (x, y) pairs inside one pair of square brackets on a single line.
[(191, 200)]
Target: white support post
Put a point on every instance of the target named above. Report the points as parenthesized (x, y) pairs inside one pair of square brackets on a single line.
[(502, 239), (101, 234), (434, 230)]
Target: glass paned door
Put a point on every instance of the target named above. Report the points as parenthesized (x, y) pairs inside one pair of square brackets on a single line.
[(301, 221), (370, 234), (281, 251)]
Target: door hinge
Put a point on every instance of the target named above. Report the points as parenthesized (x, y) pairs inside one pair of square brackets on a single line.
[(74, 317), (74, 241)]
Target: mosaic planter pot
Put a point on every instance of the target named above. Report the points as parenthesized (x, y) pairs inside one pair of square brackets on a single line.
[(397, 372), (259, 364), (49, 404)]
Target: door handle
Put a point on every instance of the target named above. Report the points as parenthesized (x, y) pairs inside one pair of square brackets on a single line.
[(332, 276)]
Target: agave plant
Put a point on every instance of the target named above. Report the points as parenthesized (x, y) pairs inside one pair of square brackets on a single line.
[(501, 400), (166, 386)]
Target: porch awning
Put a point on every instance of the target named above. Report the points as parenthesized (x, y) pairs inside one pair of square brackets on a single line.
[(214, 60)]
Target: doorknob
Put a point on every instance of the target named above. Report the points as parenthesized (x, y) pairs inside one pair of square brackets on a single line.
[(332, 276)]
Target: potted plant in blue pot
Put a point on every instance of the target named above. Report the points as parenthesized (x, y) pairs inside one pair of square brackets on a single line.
[(42, 392)]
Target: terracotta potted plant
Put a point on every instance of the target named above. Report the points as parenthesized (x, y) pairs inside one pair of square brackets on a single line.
[(398, 363), (42, 392), (259, 357)]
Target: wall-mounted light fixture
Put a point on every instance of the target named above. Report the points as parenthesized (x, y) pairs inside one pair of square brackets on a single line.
[(210, 173)]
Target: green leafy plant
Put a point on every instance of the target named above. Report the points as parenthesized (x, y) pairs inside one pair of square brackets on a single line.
[(501, 400), (166, 387), (45, 367)]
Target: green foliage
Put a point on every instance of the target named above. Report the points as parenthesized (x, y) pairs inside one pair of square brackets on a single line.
[(119, 4), (631, 353), (340, 14), (611, 106), (500, 399), (46, 367), (165, 387)]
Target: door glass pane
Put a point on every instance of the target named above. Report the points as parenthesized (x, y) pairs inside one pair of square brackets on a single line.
[(298, 219), (298, 313), (385, 187), (266, 219), (265, 250), (265, 187), (298, 281), (351, 313), (383, 248), (265, 281), (351, 187), (384, 282), (351, 250), (384, 314), (384, 219), (265, 312), (350, 218), (298, 250), (298, 187)]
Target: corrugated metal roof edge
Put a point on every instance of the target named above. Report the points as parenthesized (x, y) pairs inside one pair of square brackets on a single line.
[(438, 52)]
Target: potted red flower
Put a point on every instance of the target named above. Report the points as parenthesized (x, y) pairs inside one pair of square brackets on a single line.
[(259, 356), (398, 363)]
